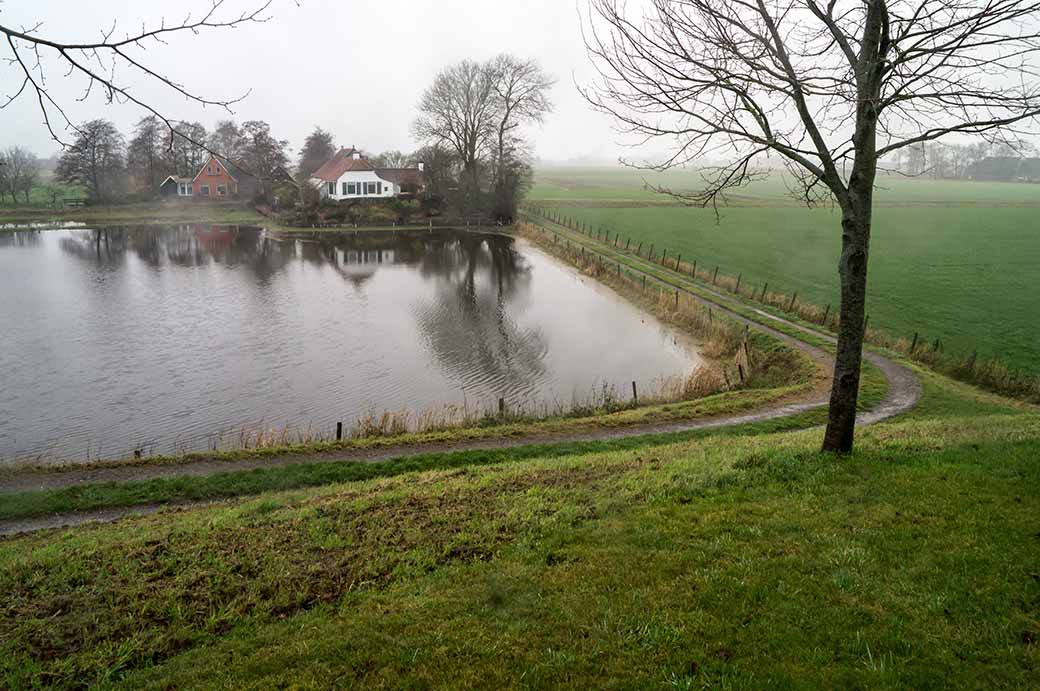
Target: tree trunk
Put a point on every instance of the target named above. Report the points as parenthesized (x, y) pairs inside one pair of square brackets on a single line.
[(852, 269)]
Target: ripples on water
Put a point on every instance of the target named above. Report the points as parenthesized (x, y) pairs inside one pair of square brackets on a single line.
[(176, 339)]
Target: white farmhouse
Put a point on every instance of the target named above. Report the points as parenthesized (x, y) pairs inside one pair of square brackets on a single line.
[(349, 175)]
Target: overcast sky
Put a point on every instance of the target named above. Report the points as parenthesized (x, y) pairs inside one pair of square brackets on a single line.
[(354, 68)]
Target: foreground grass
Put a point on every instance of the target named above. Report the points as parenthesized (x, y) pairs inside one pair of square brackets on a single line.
[(736, 561)]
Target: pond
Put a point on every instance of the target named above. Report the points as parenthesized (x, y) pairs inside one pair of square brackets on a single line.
[(174, 339)]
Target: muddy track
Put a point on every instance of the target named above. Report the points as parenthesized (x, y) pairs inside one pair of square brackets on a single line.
[(904, 391)]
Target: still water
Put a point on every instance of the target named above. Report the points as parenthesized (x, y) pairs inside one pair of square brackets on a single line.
[(180, 338)]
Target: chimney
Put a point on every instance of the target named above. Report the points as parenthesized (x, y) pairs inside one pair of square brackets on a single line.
[(356, 155)]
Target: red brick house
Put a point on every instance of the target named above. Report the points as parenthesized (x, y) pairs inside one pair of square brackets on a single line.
[(214, 181)]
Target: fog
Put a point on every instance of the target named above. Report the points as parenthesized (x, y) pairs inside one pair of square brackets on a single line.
[(356, 69)]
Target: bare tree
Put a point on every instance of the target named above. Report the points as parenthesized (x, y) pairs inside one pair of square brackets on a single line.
[(227, 140), (99, 64), (187, 148), (392, 159), (522, 96), (19, 173), (832, 87), (97, 160), (458, 111), (102, 64), (145, 159)]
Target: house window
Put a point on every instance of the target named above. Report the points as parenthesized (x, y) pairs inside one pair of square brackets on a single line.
[(352, 188), (373, 188), (221, 190), (345, 189), (204, 189), (332, 189)]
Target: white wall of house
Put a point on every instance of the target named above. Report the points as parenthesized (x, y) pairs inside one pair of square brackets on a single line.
[(359, 185)]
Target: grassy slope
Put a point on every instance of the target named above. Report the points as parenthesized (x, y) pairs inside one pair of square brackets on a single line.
[(963, 274), (141, 213), (741, 561)]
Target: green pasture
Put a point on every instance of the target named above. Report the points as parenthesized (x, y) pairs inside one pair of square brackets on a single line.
[(956, 261)]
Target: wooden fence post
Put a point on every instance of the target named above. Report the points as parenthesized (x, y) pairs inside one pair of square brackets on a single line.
[(913, 346), (794, 299), (826, 313), (694, 272), (764, 289), (635, 394), (339, 431), (740, 277), (678, 261), (715, 278), (676, 298)]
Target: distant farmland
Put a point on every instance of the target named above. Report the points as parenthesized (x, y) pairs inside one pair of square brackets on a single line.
[(958, 261)]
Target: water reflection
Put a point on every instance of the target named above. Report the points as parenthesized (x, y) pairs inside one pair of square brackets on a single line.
[(169, 338)]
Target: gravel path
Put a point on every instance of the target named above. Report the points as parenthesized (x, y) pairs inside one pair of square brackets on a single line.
[(904, 391)]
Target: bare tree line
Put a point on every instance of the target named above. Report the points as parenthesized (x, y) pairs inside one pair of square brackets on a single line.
[(471, 117)]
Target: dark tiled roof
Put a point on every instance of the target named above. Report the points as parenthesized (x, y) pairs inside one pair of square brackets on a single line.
[(401, 176)]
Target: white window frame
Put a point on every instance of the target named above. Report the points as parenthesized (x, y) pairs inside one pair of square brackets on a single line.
[(352, 189), (332, 189), (204, 190)]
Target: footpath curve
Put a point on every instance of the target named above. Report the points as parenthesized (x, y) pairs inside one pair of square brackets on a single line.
[(904, 392)]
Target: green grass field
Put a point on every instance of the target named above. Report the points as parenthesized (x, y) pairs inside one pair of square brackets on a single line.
[(719, 561), (41, 198), (958, 261)]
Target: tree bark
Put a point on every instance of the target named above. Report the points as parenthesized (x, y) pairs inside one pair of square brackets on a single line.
[(852, 270)]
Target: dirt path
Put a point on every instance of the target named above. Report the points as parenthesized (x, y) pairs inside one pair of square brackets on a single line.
[(904, 391)]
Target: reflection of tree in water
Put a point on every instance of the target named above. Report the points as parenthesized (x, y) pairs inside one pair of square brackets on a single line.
[(185, 245), (104, 247), (467, 325), (20, 238)]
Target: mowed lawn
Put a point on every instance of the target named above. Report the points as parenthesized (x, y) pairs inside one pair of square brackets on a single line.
[(956, 261)]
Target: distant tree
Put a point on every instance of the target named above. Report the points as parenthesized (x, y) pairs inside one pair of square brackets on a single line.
[(96, 160), (458, 111), (5, 178), (146, 158), (19, 173), (263, 155), (521, 90), (440, 169), (393, 159), (318, 148), (227, 140), (833, 87), (187, 149)]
